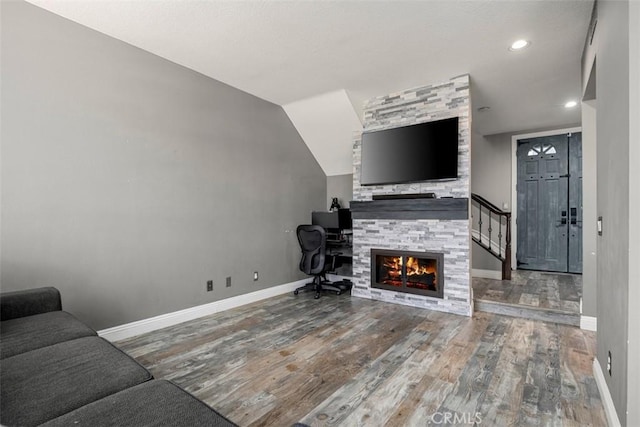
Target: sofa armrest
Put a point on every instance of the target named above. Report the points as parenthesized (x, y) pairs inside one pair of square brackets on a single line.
[(29, 302)]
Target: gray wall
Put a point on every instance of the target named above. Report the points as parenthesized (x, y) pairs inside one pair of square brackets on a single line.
[(611, 51), (491, 167), (490, 178), (128, 181), (340, 186), (633, 368)]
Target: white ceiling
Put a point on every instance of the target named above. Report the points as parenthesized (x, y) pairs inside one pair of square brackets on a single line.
[(298, 52)]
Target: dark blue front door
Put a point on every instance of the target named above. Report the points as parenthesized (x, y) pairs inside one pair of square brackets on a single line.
[(550, 203)]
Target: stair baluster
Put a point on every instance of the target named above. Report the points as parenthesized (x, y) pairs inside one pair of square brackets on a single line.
[(503, 251)]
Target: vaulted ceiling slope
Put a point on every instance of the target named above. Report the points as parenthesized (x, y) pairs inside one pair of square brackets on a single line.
[(298, 51)]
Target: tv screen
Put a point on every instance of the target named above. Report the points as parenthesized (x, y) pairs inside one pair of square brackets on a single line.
[(423, 152)]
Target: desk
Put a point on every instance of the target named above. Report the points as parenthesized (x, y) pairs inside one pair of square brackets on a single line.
[(337, 224)]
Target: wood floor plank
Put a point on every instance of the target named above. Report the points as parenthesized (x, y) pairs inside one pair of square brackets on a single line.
[(343, 404), (541, 397), (425, 407), (529, 299), (448, 367), (342, 361), (504, 394), (383, 402), (287, 355), (577, 379), (347, 360), (469, 392), (445, 356), (378, 364)]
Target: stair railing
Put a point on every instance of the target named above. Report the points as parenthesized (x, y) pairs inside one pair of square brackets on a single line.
[(486, 217)]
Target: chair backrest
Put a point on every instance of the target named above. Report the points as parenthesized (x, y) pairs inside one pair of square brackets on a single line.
[(313, 240)]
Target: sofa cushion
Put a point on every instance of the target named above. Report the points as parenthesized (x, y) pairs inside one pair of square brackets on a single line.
[(29, 333), (154, 403), (29, 302), (48, 382)]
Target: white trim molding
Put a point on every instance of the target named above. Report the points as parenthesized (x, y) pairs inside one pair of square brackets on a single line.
[(132, 329), (589, 323), (605, 396), (486, 274)]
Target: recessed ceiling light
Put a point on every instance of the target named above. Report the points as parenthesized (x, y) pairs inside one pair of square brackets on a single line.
[(519, 44), (483, 108), (570, 104)]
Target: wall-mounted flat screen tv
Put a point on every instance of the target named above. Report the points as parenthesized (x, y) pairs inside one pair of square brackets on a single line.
[(423, 152)]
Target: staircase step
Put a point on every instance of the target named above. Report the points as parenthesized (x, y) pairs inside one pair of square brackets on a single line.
[(533, 313)]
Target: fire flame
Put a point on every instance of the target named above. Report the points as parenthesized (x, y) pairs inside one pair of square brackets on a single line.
[(394, 266), (414, 267)]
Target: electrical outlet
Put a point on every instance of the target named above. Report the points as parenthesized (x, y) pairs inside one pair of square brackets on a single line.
[(255, 276), (209, 285), (609, 363), (229, 282)]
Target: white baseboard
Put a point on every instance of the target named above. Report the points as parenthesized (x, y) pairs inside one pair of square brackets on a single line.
[(589, 323), (169, 319), (605, 396), (486, 274)]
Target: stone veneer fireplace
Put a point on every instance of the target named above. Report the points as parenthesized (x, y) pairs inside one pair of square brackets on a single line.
[(418, 226)]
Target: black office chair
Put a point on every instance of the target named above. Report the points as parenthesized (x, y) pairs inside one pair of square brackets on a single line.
[(315, 261)]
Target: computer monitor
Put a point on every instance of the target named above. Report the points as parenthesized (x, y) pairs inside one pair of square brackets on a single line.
[(326, 220)]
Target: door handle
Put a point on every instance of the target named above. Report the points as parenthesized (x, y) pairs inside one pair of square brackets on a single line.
[(574, 216), (563, 219)]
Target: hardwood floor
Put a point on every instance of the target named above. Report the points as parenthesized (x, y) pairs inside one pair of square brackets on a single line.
[(535, 295), (534, 289), (352, 362)]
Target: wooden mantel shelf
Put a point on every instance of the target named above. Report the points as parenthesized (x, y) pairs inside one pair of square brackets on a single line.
[(451, 208)]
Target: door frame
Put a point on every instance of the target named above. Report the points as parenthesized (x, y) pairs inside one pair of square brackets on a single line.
[(514, 181)]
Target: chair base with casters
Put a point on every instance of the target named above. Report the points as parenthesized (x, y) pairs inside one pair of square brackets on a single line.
[(319, 284)]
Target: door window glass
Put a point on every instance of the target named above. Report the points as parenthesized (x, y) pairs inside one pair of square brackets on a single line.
[(541, 149)]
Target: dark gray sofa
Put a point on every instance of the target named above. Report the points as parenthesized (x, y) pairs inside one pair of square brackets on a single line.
[(56, 371)]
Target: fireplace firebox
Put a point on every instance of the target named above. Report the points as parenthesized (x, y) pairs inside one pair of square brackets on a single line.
[(410, 272)]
